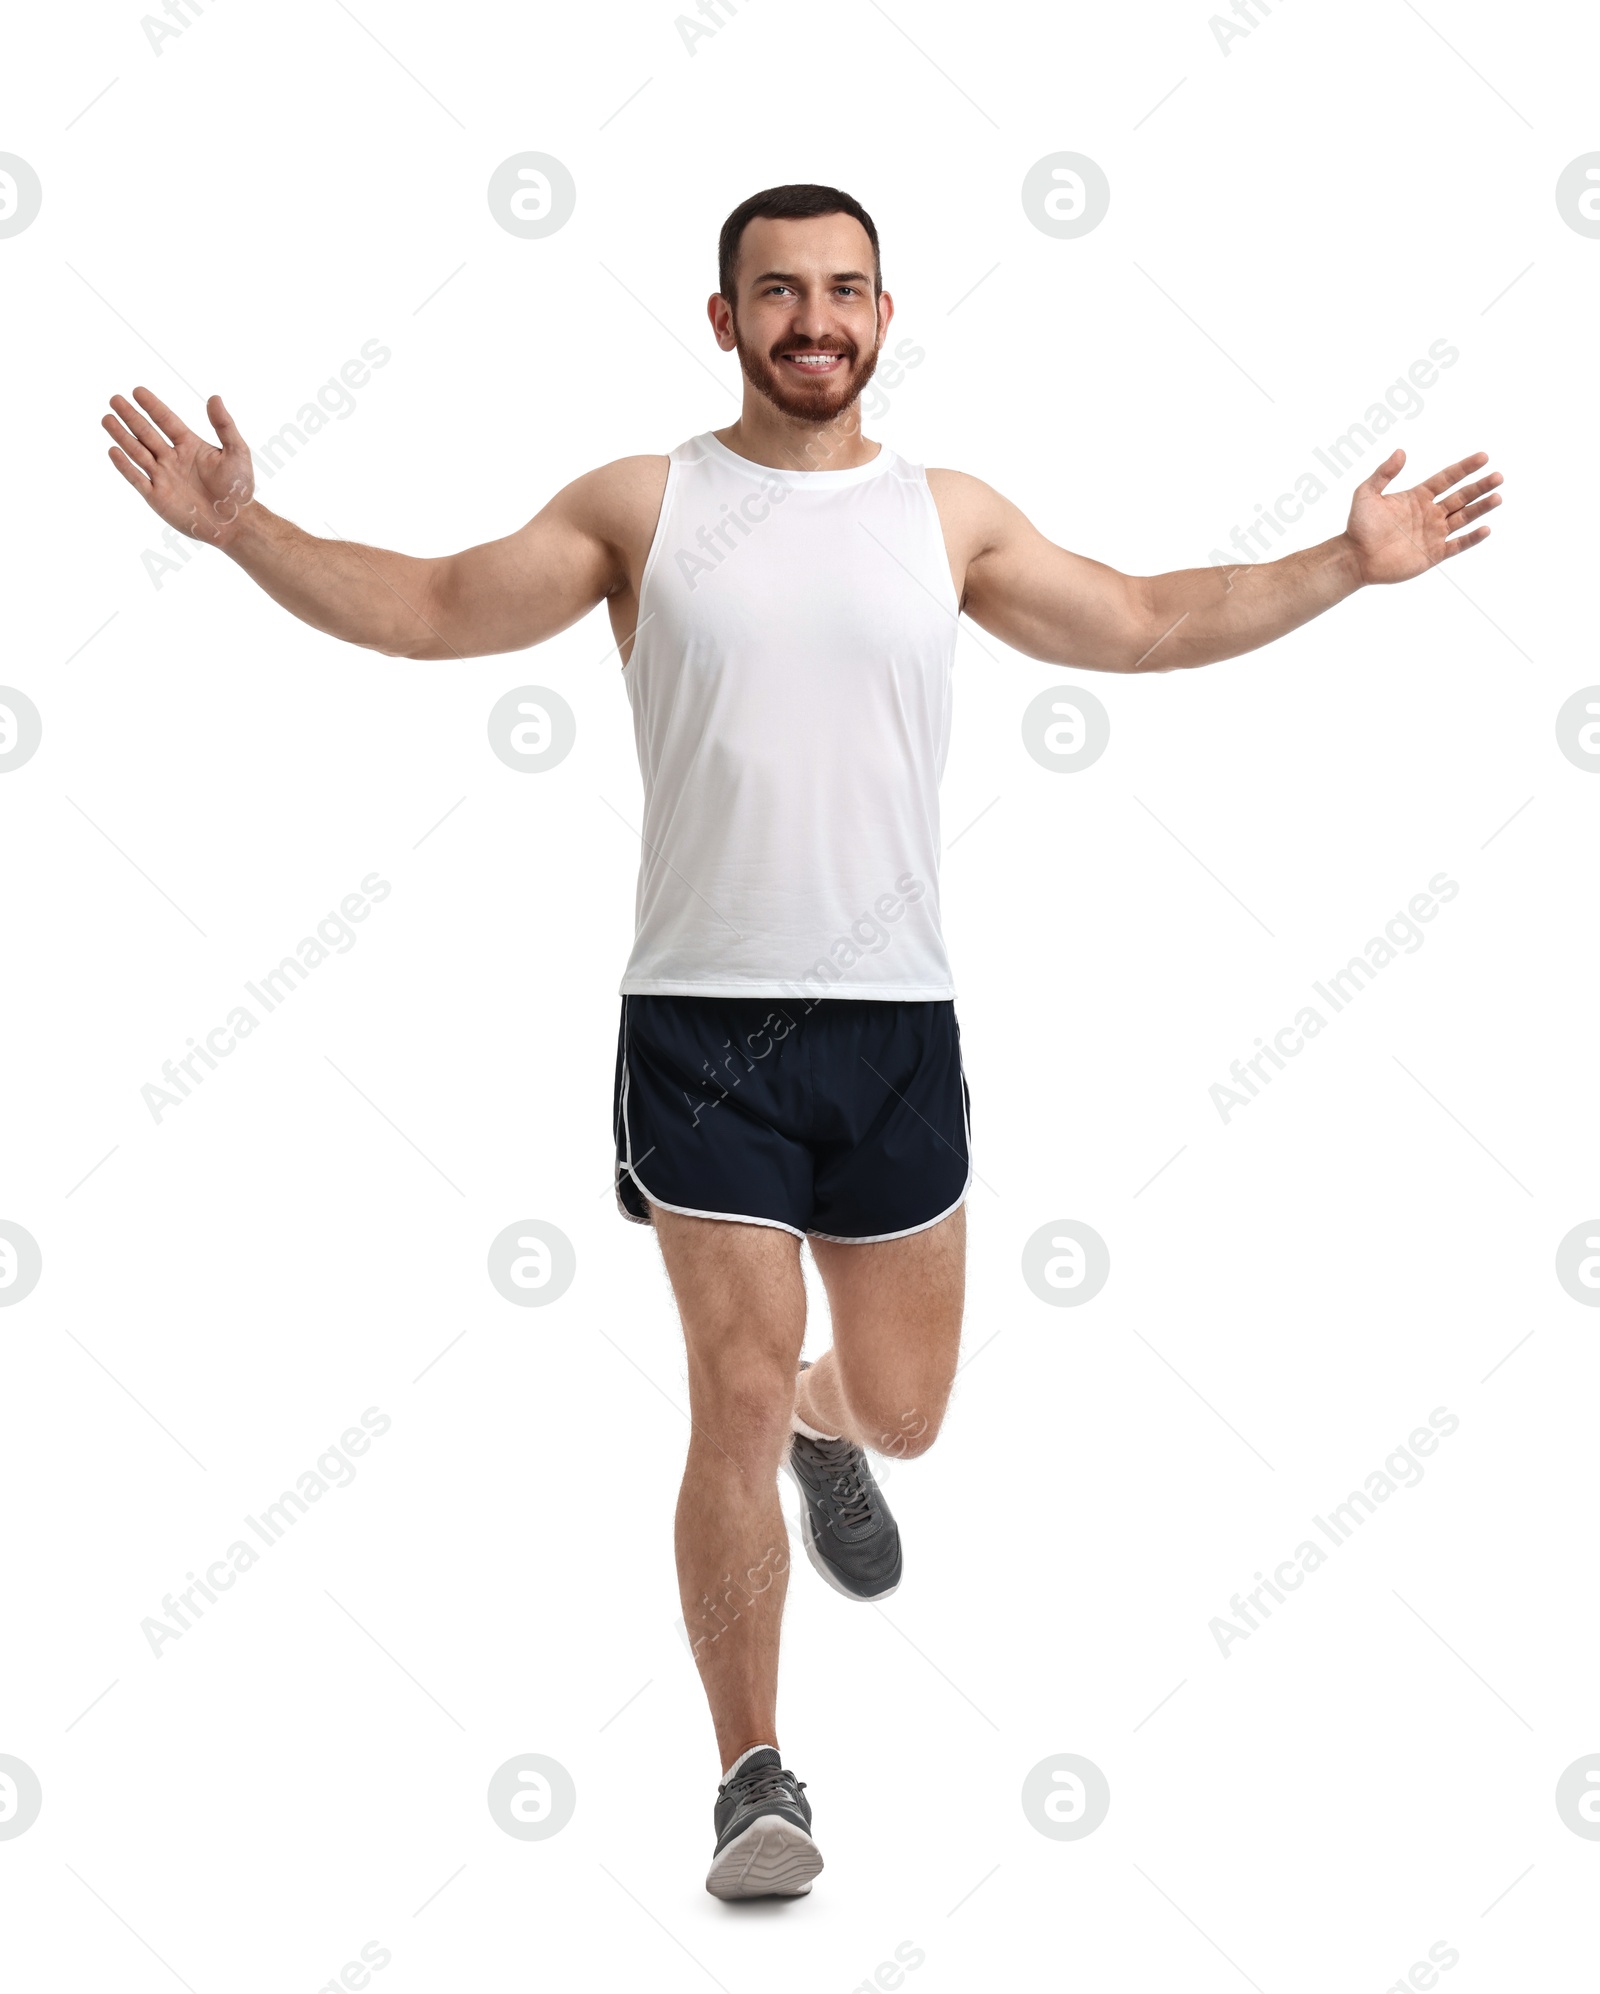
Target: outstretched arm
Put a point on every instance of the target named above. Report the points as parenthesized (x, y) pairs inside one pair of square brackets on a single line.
[(1066, 610), (501, 596)]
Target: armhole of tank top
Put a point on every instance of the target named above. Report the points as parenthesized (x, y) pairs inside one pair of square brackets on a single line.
[(920, 472), (674, 464)]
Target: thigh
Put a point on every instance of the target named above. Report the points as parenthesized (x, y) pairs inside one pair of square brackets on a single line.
[(897, 1307), (742, 1301)]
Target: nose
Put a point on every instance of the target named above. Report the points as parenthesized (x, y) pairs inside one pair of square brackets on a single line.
[(811, 326), (815, 331)]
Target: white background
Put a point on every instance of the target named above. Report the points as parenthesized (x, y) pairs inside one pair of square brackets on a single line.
[(304, 1771)]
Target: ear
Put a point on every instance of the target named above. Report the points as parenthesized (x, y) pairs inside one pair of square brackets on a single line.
[(720, 313)]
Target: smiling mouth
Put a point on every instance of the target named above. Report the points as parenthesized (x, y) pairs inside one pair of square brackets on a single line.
[(815, 362)]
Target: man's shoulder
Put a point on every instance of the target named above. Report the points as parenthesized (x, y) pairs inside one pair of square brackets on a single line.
[(974, 515), (966, 501), (618, 500), (960, 488), (625, 479)]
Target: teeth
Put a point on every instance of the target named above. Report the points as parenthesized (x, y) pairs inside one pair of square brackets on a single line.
[(815, 359)]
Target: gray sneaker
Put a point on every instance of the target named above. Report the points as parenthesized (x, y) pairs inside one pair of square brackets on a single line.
[(763, 1822), (850, 1536)]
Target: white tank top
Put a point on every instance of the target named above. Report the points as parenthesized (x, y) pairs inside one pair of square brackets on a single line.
[(791, 692)]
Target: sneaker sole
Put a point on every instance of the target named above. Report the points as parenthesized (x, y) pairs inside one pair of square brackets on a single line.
[(771, 1858), (818, 1562)]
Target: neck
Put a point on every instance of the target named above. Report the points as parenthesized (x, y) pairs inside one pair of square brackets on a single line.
[(767, 436)]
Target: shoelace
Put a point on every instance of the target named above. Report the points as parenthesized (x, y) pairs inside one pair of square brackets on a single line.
[(844, 1461), (766, 1783)]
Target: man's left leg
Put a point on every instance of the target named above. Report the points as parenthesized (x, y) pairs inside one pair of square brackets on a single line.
[(896, 1306), (884, 1385)]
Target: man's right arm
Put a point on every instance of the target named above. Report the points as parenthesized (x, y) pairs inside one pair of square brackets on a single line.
[(587, 544), (501, 596)]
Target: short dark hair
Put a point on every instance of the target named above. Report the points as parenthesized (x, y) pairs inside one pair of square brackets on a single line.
[(797, 203)]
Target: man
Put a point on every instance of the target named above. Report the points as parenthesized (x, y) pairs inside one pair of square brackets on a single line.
[(785, 597)]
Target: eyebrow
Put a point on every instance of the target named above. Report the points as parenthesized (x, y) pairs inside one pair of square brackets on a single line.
[(788, 277)]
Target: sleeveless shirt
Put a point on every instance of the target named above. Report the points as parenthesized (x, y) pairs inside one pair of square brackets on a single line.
[(790, 681)]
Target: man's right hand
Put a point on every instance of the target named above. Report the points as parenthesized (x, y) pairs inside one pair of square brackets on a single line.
[(189, 482)]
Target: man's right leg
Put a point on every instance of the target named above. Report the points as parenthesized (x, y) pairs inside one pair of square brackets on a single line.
[(742, 1299)]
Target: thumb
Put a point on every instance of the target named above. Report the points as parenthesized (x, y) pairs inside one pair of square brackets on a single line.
[(224, 424), (1389, 468)]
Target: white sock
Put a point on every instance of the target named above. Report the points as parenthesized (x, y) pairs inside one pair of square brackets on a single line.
[(739, 1761), (798, 1425), (810, 1432)]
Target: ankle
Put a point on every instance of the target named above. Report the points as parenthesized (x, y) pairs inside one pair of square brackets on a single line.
[(739, 1757), (807, 1417)]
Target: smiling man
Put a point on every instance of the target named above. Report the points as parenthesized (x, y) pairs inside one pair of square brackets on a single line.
[(785, 596)]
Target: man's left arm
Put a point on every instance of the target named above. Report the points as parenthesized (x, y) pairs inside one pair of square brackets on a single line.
[(1064, 609)]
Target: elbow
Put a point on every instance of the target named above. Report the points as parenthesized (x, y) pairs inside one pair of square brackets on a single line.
[(1161, 644), (419, 641), (1145, 632), (426, 608)]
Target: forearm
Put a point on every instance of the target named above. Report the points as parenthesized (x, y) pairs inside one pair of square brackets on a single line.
[(363, 595), (1197, 615)]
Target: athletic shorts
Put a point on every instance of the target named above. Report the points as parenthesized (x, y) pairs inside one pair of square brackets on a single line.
[(844, 1118)]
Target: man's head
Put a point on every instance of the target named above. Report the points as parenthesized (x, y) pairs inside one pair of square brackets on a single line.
[(802, 299)]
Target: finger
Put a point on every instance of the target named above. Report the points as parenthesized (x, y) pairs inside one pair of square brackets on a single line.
[(1459, 519), (172, 424), (1467, 540), (1441, 481), (138, 480), (1470, 492), (223, 423), (146, 431), (1389, 468), (135, 450)]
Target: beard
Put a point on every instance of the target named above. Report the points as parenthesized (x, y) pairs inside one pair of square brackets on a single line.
[(820, 401)]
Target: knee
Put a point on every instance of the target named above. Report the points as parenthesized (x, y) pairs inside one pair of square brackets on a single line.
[(913, 1435), (744, 1411), (901, 1427)]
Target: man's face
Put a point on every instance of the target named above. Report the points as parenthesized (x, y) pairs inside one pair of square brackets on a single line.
[(804, 320)]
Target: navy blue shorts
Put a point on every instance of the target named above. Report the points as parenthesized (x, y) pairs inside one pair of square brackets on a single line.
[(844, 1117)]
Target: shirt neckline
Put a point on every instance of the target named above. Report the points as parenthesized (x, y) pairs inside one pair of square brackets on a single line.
[(853, 474)]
